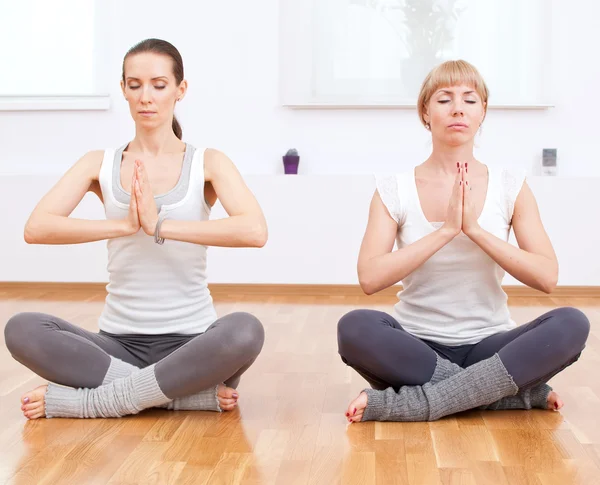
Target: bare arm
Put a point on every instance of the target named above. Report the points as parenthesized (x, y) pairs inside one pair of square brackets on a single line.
[(378, 266), (50, 223), (534, 262), (245, 226)]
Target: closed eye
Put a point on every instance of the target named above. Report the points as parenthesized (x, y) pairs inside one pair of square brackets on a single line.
[(444, 101)]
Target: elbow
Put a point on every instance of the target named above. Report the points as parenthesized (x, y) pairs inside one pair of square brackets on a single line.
[(549, 286), (366, 285), (32, 233), (547, 289), (259, 236), (368, 290)]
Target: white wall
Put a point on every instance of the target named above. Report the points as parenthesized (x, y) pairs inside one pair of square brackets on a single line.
[(231, 54), (316, 223)]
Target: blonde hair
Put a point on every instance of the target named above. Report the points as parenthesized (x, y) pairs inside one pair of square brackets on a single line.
[(451, 73)]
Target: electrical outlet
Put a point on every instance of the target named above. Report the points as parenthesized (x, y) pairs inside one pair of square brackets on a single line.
[(549, 162)]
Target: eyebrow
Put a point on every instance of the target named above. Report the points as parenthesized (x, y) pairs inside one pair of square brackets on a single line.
[(444, 91), (153, 79)]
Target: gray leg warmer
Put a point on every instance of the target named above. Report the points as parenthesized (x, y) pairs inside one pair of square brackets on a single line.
[(535, 397), (121, 397), (202, 401), (481, 384)]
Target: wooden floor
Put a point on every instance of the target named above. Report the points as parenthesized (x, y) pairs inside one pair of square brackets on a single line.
[(290, 427)]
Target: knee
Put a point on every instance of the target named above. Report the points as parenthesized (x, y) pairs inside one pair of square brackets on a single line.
[(569, 328), (18, 331), (575, 322), (351, 328), (249, 335)]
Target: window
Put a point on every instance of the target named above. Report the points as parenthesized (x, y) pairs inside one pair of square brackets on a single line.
[(377, 52), (49, 55)]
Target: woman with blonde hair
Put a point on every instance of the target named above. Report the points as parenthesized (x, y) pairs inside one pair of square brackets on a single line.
[(451, 344)]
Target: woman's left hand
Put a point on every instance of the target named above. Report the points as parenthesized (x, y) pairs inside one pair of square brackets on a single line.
[(147, 211), (469, 219)]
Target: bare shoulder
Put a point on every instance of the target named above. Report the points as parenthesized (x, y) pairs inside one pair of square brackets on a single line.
[(216, 162), (90, 163), (93, 156)]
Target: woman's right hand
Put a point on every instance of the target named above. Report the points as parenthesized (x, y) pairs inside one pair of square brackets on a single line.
[(453, 224)]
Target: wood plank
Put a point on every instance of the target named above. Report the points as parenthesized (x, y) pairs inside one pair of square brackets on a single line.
[(289, 427)]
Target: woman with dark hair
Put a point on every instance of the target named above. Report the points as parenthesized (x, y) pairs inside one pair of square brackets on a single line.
[(160, 343)]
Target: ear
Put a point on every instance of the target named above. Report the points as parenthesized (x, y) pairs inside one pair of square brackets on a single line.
[(123, 88), (182, 89)]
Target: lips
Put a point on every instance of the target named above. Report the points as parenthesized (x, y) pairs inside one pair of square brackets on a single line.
[(458, 125)]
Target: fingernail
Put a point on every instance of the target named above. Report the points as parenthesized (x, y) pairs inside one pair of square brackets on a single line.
[(457, 164), (347, 414), (460, 183), (26, 400), (354, 412), (555, 405), (235, 396), (467, 182), (466, 164)]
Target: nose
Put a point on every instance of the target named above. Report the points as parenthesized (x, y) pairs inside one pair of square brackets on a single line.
[(145, 98), (457, 110)]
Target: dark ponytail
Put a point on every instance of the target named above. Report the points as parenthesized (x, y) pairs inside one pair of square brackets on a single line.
[(177, 128)]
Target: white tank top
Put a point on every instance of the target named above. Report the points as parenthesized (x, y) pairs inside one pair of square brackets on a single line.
[(157, 289), (456, 296)]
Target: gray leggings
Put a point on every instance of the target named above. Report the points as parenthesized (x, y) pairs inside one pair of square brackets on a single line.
[(185, 364), (386, 355)]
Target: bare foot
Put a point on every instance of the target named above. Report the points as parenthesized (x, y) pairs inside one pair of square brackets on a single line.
[(355, 410), (33, 404), (228, 397), (554, 401)]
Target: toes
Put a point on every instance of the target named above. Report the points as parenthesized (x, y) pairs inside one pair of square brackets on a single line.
[(228, 407), (36, 394), (356, 418), (31, 407), (554, 401), (228, 397), (227, 402), (35, 415), (351, 411), (354, 414), (228, 393), (32, 403), (34, 409)]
